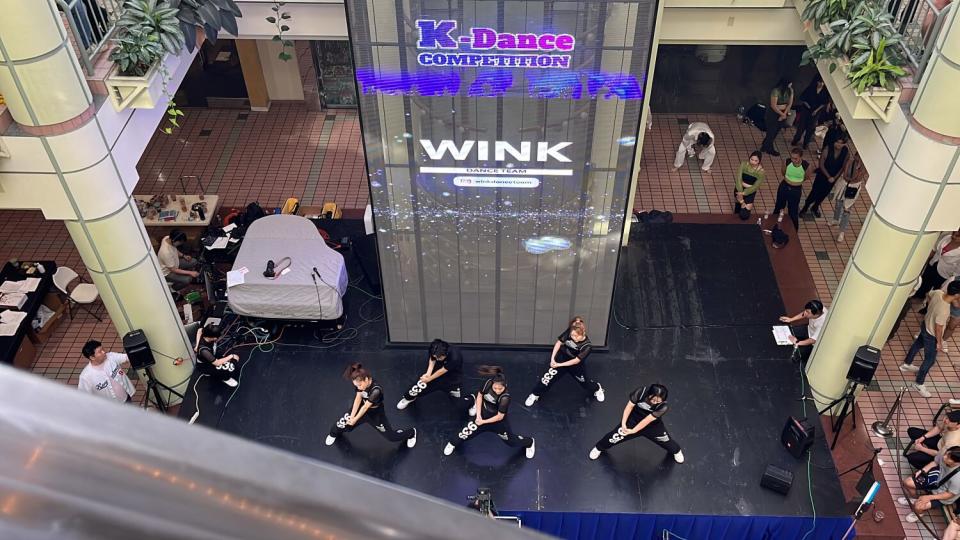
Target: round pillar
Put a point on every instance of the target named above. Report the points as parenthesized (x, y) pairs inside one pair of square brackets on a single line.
[(935, 105)]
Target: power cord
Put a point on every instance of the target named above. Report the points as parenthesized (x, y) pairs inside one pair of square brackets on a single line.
[(813, 505)]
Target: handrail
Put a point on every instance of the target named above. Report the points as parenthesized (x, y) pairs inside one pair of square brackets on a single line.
[(919, 22), (91, 23)]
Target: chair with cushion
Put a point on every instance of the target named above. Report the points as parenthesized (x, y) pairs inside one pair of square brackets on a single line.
[(80, 294)]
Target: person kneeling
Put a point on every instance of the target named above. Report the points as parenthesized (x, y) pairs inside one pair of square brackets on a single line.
[(939, 478), (221, 369)]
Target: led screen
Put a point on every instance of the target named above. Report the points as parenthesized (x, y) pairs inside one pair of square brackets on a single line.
[(499, 138)]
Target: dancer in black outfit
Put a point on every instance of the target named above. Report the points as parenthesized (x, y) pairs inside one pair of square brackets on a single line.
[(368, 408), (444, 372), (490, 414), (641, 418), (832, 164), (571, 349), (221, 369)]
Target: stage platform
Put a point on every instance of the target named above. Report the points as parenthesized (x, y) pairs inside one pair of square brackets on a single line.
[(694, 308)]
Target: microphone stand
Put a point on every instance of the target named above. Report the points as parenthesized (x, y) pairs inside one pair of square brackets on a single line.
[(317, 288)]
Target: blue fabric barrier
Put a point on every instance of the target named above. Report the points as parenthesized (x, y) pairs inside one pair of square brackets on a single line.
[(597, 526)]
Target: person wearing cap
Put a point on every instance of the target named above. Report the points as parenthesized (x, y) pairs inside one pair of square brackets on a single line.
[(804, 337), (926, 443), (177, 268)]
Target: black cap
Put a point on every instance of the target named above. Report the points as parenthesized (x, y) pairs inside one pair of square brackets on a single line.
[(953, 416)]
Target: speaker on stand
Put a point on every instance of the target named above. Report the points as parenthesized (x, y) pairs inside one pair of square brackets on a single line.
[(138, 351)]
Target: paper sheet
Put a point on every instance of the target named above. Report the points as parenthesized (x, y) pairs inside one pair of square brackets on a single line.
[(235, 277), (10, 322), (10, 287), (219, 243), (30, 284), (230, 227), (781, 333), (13, 300)]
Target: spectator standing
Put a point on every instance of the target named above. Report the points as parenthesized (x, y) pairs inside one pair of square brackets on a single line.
[(831, 167), (795, 171), (944, 263), (748, 180), (930, 338), (780, 103), (812, 102), (104, 374), (846, 193)]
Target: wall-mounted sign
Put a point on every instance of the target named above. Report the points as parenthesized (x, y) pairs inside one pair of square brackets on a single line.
[(495, 137)]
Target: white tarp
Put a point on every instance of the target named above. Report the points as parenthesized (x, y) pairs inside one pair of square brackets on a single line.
[(293, 295)]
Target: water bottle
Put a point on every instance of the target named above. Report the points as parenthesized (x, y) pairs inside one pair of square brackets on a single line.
[(41, 268)]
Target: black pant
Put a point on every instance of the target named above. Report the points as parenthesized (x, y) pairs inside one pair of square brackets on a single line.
[(918, 459), (821, 188), (376, 418), (747, 199), (655, 431), (501, 428), (443, 383), (576, 371), (789, 196), (224, 372), (931, 279), (903, 315), (774, 125), (806, 123)]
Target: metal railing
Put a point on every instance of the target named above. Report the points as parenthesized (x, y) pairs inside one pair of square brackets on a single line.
[(91, 24), (919, 22)]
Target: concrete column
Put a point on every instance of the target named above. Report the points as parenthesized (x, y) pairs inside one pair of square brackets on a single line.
[(915, 200), (42, 80), (253, 74)]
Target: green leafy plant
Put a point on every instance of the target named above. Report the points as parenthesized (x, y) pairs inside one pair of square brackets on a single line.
[(876, 71), (211, 15), (278, 19), (820, 12), (137, 50), (153, 16)]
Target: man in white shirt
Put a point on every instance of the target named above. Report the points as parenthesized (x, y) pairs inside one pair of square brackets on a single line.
[(699, 136), (803, 338), (104, 375), (177, 268)]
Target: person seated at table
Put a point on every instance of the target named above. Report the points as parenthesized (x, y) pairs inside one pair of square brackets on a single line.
[(177, 268)]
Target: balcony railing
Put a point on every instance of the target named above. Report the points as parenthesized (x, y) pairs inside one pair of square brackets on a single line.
[(91, 24), (919, 22)]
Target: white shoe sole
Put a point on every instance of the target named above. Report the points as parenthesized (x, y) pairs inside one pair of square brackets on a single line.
[(594, 453), (402, 404), (532, 450), (531, 400), (330, 440), (448, 449), (412, 441)]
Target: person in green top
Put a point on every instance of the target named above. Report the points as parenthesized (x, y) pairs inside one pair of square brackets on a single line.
[(749, 177), (781, 101), (795, 171)]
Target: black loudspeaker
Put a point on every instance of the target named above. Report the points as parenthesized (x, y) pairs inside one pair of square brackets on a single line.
[(797, 436), (777, 479), (864, 365), (138, 349)]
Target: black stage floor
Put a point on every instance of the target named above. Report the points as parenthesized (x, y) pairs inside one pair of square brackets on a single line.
[(694, 305)]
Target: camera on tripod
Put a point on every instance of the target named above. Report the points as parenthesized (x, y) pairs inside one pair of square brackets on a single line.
[(483, 502)]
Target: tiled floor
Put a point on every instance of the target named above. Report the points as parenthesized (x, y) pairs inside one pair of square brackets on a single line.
[(317, 157)]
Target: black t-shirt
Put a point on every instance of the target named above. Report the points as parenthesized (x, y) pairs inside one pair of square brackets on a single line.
[(570, 349), (454, 364), (372, 395), (493, 403), (642, 408)]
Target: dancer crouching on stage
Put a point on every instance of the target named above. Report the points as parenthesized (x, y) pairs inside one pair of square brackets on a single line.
[(368, 408), (444, 372), (571, 349), (490, 414), (643, 412)]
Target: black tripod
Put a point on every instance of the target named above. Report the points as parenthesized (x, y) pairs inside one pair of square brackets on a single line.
[(153, 385), (848, 399)]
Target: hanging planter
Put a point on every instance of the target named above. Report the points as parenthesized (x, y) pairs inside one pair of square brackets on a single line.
[(874, 103), (139, 92)]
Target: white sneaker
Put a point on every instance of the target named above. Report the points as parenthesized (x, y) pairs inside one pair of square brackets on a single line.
[(903, 501), (840, 237), (678, 457), (912, 518), (448, 449), (402, 404), (455, 393), (909, 368), (472, 411), (922, 390), (533, 448), (594, 453), (531, 399), (412, 441), (955, 402), (599, 394), (231, 382), (330, 440)]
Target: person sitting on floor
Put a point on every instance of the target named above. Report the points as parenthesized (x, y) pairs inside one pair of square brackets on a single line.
[(804, 337), (177, 268), (928, 443), (939, 478)]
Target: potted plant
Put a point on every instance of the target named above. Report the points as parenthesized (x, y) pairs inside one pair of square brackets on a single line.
[(859, 38), (210, 16), (146, 32)]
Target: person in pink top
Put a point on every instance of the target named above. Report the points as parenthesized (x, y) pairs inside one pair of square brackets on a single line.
[(105, 375)]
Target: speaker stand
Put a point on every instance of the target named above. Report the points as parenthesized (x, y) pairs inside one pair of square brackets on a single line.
[(154, 386), (848, 399)]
